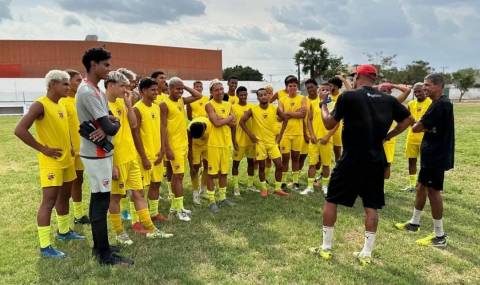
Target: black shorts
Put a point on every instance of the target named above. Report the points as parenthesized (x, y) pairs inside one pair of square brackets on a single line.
[(352, 179), (432, 178)]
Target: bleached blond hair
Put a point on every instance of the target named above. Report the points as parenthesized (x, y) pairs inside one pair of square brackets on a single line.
[(56, 75), (128, 73), (174, 81)]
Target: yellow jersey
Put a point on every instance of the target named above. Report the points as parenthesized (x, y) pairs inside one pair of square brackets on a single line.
[(198, 107), (52, 130), (123, 139), (317, 123), (149, 129), (160, 98), (309, 103), (233, 99), (220, 136), (263, 123), (240, 135), (281, 94), (176, 123), (73, 123), (204, 139), (335, 97), (417, 110), (294, 126)]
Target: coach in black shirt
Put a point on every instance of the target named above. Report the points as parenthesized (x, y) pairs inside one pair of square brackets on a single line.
[(367, 115), (437, 151)]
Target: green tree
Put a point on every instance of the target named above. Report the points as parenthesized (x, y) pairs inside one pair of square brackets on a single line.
[(245, 73), (464, 79), (416, 71)]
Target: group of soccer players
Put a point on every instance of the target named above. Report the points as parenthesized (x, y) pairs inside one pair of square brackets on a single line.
[(155, 131)]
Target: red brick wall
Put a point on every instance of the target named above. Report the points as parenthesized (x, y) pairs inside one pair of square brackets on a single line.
[(33, 59)]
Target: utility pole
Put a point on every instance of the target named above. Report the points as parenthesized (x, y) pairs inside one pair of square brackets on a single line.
[(298, 71)]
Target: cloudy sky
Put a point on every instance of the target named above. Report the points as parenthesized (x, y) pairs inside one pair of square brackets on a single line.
[(264, 33)]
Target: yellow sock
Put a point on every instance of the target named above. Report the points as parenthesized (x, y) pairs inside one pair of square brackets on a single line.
[(325, 181), (169, 186), (284, 177), (44, 236), (249, 181), (78, 211), (153, 207), (267, 171), (145, 219), (295, 175), (116, 221), (217, 185), (211, 196), (235, 181), (263, 185), (223, 193), (278, 185), (133, 213), (124, 204), (179, 204), (195, 184), (310, 182), (63, 223), (413, 180)]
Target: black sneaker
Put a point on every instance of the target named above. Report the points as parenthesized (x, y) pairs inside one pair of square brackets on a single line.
[(83, 220), (407, 226), (115, 259), (284, 187), (296, 187)]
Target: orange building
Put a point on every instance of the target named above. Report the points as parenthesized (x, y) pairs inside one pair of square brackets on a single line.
[(33, 59)]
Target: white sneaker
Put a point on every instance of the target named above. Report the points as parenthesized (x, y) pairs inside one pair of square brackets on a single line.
[(325, 190), (183, 216), (187, 211), (236, 192), (196, 198), (158, 234), (124, 239), (307, 191), (253, 189)]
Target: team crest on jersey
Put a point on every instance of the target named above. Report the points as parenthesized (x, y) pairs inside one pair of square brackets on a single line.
[(419, 109), (292, 104), (105, 182), (60, 114), (51, 176), (222, 110), (265, 116), (153, 115), (201, 104)]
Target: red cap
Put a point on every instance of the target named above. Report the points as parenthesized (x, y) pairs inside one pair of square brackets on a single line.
[(367, 69)]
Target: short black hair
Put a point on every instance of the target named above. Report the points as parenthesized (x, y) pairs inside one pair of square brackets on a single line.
[(156, 73), (260, 89), (240, 89), (95, 54), (311, 81), (291, 79), (197, 82), (336, 81), (436, 78), (288, 77), (197, 129), (146, 83), (232, 78)]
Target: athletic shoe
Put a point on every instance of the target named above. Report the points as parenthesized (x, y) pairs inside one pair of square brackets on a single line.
[(84, 220), (323, 253), (307, 191), (296, 187), (196, 198), (409, 189), (126, 215), (253, 189), (264, 193), (363, 260), (214, 208), (70, 235), (325, 190), (50, 252), (114, 248), (280, 193), (226, 202), (158, 234), (203, 194), (124, 239), (236, 192), (433, 240), (182, 215), (159, 218), (139, 229), (115, 259), (187, 211), (284, 187), (409, 227)]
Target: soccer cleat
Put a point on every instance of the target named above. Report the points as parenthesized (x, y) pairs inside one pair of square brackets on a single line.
[(264, 193), (236, 192), (138, 228), (182, 215), (253, 189), (323, 253), (124, 239), (214, 208), (50, 252), (409, 227), (70, 235), (115, 259), (159, 218), (196, 198), (189, 213), (84, 220), (158, 234), (296, 187), (280, 193), (284, 187), (325, 190), (125, 215), (363, 260), (432, 240), (226, 202), (307, 191), (409, 189)]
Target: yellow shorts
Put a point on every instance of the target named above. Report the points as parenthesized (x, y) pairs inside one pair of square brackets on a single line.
[(305, 147), (412, 150), (291, 143), (218, 159), (55, 177), (154, 174), (264, 151), (78, 164), (389, 148), (178, 164), (199, 152), (323, 152), (244, 151), (129, 178), (337, 136)]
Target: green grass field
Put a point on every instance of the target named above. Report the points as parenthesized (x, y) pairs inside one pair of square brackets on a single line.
[(260, 241)]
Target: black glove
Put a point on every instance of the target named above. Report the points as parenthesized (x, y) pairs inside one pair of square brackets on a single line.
[(86, 128)]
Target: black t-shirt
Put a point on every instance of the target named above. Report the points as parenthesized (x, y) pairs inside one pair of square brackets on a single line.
[(438, 144), (367, 116)]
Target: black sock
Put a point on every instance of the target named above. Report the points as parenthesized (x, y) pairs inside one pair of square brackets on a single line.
[(99, 203)]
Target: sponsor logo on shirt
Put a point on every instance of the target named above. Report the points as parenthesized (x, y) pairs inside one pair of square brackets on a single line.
[(153, 115), (60, 114)]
